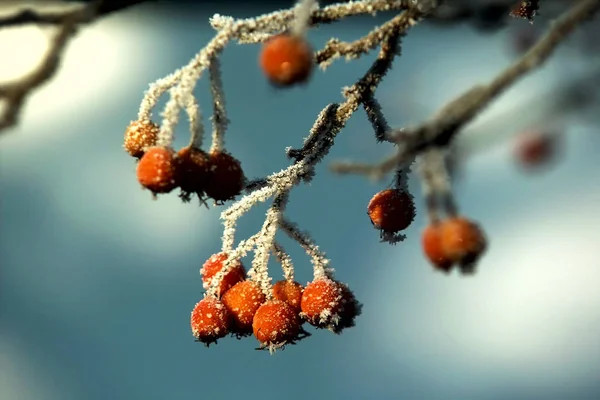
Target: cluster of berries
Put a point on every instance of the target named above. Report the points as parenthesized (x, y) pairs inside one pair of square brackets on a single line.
[(241, 308), (216, 174)]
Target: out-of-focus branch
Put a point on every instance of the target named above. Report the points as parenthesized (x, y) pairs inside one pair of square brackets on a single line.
[(81, 14), (14, 94), (445, 124)]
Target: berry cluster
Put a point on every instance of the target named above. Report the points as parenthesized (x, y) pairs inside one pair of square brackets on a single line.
[(241, 306), (242, 302), (160, 169)]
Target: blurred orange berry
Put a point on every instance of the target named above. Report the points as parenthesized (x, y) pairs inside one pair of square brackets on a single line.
[(286, 60), (242, 301), (463, 241), (276, 323), (140, 135), (226, 177), (210, 320), (431, 242), (391, 210), (157, 170), (289, 292), (214, 264)]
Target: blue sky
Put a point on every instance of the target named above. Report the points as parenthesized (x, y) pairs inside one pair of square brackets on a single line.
[(98, 280)]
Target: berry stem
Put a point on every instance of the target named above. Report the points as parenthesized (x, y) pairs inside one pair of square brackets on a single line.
[(219, 118), (302, 13), (285, 260), (195, 117), (266, 238), (243, 248), (318, 258)]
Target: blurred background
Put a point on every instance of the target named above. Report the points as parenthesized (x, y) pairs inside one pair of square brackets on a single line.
[(97, 280)]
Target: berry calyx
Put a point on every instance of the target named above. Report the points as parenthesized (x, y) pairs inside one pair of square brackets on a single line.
[(431, 242), (289, 292), (210, 320), (226, 177), (139, 136), (193, 172), (157, 170), (391, 210), (286, 60), (463, 242), (242, 301), (329, 304), (214, 265), (275, 324)]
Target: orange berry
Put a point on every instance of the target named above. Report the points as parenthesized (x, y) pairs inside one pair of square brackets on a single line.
[(140, 135), (226, 177), (276, 323), (215, 264), (210, 320), (289, 292), (157, 170), (431, 242), (391, 210), (286, 60), (463, 241), (242, 301), (193, 174), (329, 304)]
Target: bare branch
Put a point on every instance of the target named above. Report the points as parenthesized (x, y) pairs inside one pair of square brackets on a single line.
[(441, 129)]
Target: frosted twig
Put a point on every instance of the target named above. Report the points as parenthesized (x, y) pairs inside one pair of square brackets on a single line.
[(317, 257), (264, 244), (195, 117), (302, 13), (243, 248), (335, 48), (285, 260), (219, 118), (440, 129)]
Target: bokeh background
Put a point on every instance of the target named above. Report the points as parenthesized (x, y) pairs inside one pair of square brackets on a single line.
[(98, 280)]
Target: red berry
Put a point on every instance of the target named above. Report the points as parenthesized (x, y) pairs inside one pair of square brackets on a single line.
[(210, 320), (329, 304), (214, 264), (463, 241), (276, 323), (431, 241), (391, 210), (289, 292), (535, 149), (226, 177), (242, 301), (140, 135), (286, 60), (157, 170), (193, 171)]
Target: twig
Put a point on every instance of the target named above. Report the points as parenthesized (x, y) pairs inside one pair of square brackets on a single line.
[(445, 124)]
